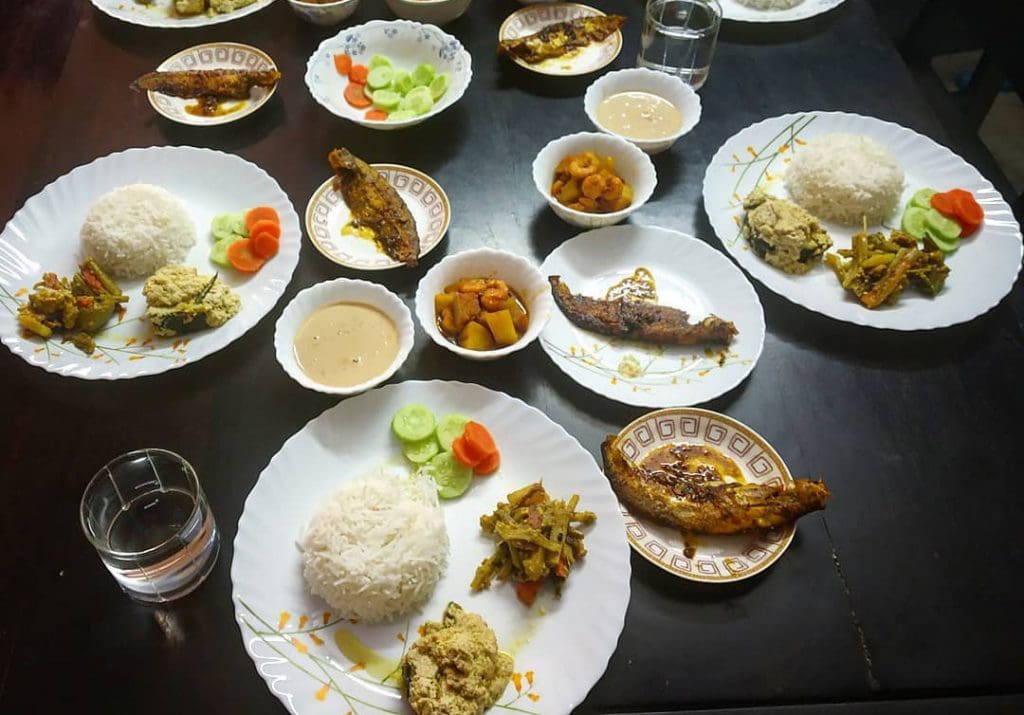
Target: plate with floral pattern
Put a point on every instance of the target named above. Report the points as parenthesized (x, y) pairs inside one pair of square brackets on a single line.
[(534, 18), (161, 13)]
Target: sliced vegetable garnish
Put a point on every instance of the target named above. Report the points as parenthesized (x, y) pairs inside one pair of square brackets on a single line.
[(219, 252), (402, 82), (413, 423), (400, 115), (379, 61), (265, 226), (439, 85), (355, 96), (386, 99), (913, 221), (359, 73), (421, 451), (461, 452), (376, 115), (264, 244), (941, 227), (489, 465), (423, 75), (343, 63), (242, 258), (479, 442), (260, 213), (923, 198), (452, 478), (379, 77), (450, 428), (228, 225)]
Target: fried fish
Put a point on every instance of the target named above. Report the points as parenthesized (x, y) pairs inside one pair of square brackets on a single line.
[(561, 37), (376, 205), (639, 320), (201, 84), (673, 493)]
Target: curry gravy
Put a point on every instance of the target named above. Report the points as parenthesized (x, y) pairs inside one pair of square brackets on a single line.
[(346, 344)]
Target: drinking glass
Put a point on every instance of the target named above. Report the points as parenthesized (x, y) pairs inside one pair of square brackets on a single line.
[(149, 520), (679, 38)]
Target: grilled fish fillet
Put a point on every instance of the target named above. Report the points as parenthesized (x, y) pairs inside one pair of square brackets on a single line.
[(702, 505), (376, 205), (639, 320), (561, 37), (192, 84)]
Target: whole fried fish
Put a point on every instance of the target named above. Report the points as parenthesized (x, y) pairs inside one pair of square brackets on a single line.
[(561, 37), (374, 203), (195, 84), (699, 502), (639, 320)]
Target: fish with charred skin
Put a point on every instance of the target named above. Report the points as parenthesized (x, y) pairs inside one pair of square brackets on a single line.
[(200, 84), (561, 38)]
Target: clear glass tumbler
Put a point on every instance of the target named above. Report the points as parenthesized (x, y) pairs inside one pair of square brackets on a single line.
[(148, 518), (679, 38)]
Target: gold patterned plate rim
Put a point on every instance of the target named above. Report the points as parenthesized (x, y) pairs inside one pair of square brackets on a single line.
[(196, 121), (503, 34), (425, 247), (777, 546)]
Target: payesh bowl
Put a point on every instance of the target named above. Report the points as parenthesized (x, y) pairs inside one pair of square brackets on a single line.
[(631, 164), (639, 79), (437, 12), (340, 290), (521, 275), (329, 13)]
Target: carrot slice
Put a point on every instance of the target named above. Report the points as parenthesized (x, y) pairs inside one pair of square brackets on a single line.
[(526, 591), (479, 442), (260, 213), (342, 63), (242, 258), (264, 244), (359, 73), (354, 95), (265, 226), (968, 209), (461, 453), (489, 465), (943, 203), (376, 115)]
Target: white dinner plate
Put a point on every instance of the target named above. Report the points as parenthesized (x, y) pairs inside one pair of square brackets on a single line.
[(160, 13), (733, 10), (534, 18), (561, 646), (44, 236), (982, 270), (688, 274)]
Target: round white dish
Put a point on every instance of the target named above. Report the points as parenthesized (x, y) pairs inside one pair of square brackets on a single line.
[(558, 656), (324, 13), (214, 55), (689, 275), (327, 214), (982, 271), (732, 10), (160, 13), (407, 44), (631, 164), (340, 290), (435, 12), (641, 79), (534, 18), (520, 274), (44, 236), (713, 558)]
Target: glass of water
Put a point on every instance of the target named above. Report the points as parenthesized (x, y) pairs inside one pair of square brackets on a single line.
[(148, 518), (679, 38)]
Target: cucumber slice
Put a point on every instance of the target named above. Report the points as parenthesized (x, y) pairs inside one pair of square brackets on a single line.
[(228, 225), (418, 101), (379, 77), (400, 115), (421, 452), (219, 251), (413, 423), (449, 429), (913, 221), (439, 85), (423, 75), (386, 99), (452, 478), (402, 82), (923, 198), (378, 61), (938, 226), (944, 245)]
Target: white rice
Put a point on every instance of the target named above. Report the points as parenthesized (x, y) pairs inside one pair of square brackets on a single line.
[(376, 548), (770, 4), (845, 178), (134, 230)]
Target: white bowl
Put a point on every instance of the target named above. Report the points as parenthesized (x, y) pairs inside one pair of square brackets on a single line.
[(407, 44), (640, 79), (324, 13), (521, 275), (631, 164), (437, 12), (336, 291)]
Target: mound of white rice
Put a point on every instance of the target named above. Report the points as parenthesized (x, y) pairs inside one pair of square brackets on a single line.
[(770, 4), (845, 178), (134, 230), (376, 547)]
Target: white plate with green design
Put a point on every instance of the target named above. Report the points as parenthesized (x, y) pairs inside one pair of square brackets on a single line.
[(316, 662), (687, 274), (161, 13), (741, 12), (982, 270), (44, 236)]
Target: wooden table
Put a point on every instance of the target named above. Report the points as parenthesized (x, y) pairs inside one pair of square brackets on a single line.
[(902, 595)]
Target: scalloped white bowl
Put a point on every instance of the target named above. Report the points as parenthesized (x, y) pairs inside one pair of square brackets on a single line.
[(631, 164), (337, 291), (520, 274), (437, 12), (640, 79), (407, 44), (330, 13)]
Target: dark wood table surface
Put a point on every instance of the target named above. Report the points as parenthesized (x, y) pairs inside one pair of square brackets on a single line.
[(902, 597)]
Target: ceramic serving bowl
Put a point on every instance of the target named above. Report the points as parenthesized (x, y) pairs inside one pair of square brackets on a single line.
[(330, 13), (520, 274), (631, 164), (407, 44), (337, 291), (640, 79), (437, 12)]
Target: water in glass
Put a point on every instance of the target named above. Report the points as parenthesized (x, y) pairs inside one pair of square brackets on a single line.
[(679, 38)]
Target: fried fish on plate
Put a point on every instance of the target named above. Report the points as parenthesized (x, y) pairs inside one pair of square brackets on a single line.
[(195, 84), (638, 319), (560, 38), (375, 204), (697, 500)]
